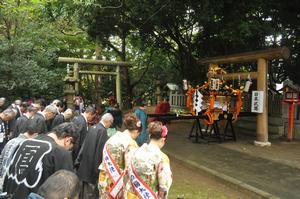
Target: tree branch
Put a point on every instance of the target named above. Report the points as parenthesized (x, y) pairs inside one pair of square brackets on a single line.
[(144, 72), (108, 43), (72, 34), (7, 30)]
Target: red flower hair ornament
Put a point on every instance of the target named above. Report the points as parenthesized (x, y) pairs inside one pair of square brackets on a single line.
[(164, 131)]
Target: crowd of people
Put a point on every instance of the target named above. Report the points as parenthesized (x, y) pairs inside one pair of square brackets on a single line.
[(49, 151)]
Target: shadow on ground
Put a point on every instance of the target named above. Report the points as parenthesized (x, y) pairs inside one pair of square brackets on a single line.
[(272, 170)]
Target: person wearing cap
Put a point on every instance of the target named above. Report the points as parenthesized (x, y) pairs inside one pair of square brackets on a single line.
[(142, 115), (149, 170)]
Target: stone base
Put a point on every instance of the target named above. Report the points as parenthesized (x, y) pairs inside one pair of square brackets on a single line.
[(262, 144)]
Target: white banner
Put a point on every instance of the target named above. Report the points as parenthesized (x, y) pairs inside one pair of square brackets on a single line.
[(114, 173), (139, 186), (257, 102)]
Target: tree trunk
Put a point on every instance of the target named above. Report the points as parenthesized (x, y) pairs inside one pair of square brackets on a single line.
[(97, 49), (98, 97), (128, 99)]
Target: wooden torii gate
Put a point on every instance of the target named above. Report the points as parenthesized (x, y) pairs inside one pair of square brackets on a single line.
[(261, 57), (73, 82)]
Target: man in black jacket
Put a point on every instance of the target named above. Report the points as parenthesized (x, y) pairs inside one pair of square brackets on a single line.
[(16, 106), (37, 159), (40, 118), (5, 116), (61, 117), (90, 156), (23, 121), (82, 121)]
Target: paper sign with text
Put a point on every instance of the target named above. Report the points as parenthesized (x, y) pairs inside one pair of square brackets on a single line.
[(257, 102)]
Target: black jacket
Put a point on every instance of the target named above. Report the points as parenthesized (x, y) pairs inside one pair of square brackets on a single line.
[(21, 125), (82, 129), (39, 119), (90, 155), (59, 119), (33, 162)]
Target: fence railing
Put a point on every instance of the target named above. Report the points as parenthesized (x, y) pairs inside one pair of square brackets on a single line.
[(177, 100)]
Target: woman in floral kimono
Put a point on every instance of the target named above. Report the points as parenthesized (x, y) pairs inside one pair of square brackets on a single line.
[(116, 156), (149, 172)]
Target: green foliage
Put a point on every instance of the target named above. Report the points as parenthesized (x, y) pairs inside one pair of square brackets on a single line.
[(150, 65), (33, 34), (191, 30), (164, 39), (21, 74)]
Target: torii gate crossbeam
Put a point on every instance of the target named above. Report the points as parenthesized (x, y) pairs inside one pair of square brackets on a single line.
[(77, 61)]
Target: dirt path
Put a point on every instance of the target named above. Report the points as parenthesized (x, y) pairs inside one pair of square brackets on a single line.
[(189, 184)]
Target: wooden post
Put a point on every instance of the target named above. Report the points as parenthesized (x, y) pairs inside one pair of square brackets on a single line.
[(262, 118), (291, 121), (76, 77), (118, 87)]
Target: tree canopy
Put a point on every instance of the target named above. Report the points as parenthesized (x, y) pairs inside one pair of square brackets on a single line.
[(190, 30), (163, 38), (30, 43)]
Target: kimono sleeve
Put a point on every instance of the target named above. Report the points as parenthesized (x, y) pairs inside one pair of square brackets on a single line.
[(132, 147), (164, 176)]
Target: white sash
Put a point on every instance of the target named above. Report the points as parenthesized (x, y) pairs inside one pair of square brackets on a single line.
[(140, 187), (114, 174)]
